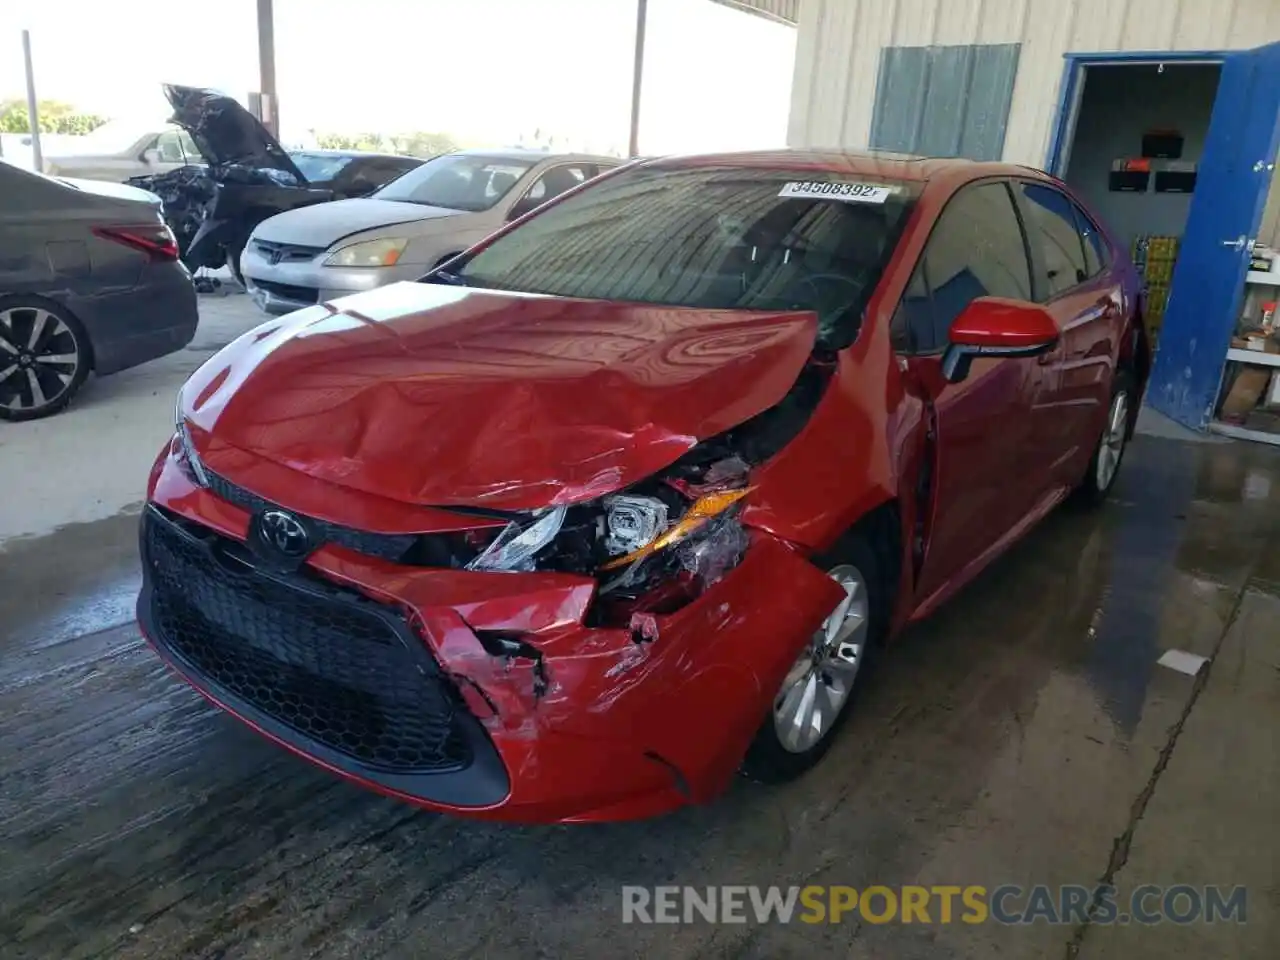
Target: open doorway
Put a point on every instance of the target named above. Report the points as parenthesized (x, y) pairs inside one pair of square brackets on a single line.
[(1133, 140)]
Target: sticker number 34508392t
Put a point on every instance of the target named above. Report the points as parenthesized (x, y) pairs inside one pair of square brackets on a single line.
[(851, 192)]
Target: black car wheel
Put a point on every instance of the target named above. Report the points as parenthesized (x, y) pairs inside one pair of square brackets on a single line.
[(44, 358)]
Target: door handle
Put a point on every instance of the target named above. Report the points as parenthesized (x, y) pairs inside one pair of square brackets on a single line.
[(1239, 243)]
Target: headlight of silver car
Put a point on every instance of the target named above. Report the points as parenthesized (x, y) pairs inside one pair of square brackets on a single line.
[(368, 253)]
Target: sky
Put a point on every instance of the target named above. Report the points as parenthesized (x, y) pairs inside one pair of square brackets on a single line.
[(486, 71)]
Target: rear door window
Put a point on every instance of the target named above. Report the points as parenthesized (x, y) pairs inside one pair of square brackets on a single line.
[(976, 249), (1096, 257), (1053, 229)]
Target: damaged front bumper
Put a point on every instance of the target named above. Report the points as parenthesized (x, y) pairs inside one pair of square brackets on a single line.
[(482, 694)]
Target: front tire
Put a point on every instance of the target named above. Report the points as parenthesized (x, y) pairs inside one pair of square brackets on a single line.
[(1112, 443), (45, 357), (813, 701)]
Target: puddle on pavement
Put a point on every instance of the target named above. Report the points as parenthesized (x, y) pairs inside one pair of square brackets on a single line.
[(78, 580)]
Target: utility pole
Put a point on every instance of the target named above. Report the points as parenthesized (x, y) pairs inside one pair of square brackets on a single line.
[(267, 67), (33, 112), (642, 10)]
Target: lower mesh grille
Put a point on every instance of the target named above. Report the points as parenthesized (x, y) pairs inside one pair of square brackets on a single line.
[(331, 667)]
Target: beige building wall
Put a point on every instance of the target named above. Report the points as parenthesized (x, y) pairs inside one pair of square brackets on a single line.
[(839, 42)]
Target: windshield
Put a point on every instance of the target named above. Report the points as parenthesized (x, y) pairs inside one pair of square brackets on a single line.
[(717, 239), (318, 167), (458, 181)]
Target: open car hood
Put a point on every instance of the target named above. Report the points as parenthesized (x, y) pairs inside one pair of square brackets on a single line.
[(226, 132), (438, 395)]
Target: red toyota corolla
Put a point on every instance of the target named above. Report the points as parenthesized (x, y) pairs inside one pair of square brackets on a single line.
[(628, 497)]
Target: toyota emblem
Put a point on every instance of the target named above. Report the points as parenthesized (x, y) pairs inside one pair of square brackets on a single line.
[(285, 533)]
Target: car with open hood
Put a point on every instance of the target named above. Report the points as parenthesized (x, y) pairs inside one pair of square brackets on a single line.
[(302, 257), (242, 175), (633, 494)]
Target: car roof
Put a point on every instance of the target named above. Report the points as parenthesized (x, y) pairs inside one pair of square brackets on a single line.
[(537, 156), (352, 153), (896, 166)]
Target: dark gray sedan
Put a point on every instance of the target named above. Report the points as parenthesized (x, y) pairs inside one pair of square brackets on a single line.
[(89, 282)]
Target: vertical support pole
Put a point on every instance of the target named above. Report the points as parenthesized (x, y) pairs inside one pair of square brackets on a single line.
[(33, 111), (267, 67), (642, 10)]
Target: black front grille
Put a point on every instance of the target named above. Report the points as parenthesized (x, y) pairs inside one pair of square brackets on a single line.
[(336, 668), (387, 546), (287, 252), (289, 291)]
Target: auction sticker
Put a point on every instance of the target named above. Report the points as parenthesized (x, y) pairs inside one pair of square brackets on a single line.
[(849, 192)]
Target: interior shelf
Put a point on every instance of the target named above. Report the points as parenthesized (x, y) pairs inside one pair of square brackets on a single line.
[(1271, 279), (1254, 356), (1244, 433)]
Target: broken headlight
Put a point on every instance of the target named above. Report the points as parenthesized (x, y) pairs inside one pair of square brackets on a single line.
[(514, 548), (665, 528)]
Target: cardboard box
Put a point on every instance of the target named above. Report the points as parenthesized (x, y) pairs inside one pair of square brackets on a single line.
[(1245, 393)]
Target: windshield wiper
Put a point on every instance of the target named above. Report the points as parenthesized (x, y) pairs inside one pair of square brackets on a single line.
[(444, 276)]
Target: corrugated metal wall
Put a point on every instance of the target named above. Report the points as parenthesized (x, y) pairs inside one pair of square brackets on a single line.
[(839, 42), (784, 11), (945, 101)]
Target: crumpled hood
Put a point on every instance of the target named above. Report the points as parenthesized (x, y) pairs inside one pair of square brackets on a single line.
[(438, 395), (327, 223), (226, 132)]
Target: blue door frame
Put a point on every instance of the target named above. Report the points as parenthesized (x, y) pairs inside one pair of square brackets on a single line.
[(1073, 73), (1234, 179)]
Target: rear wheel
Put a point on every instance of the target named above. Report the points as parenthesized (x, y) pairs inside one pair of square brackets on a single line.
[(812, 703), (44, 358), (1109, 451)]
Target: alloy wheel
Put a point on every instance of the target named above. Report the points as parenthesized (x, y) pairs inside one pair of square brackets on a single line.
[(817, 687), (1114, 436), (39, 358)]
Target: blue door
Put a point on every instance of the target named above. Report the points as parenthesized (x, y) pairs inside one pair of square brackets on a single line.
[(1208, 280)]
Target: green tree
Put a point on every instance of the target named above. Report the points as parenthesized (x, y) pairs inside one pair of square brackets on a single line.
[(417, 144), (55, 117)]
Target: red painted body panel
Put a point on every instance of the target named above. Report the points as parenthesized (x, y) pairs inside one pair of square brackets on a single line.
[(610, 700), (505, 400), (416, 399)]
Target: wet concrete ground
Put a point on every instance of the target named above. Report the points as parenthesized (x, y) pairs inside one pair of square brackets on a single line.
[(1024, 735)]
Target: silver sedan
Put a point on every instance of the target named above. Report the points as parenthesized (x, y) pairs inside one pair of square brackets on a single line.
[(306, 256)]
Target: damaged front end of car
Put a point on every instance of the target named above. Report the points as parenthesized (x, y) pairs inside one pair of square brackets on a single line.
[(602, 647)]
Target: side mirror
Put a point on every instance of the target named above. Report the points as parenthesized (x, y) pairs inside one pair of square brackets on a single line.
[(151, 157), (995, 327)]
